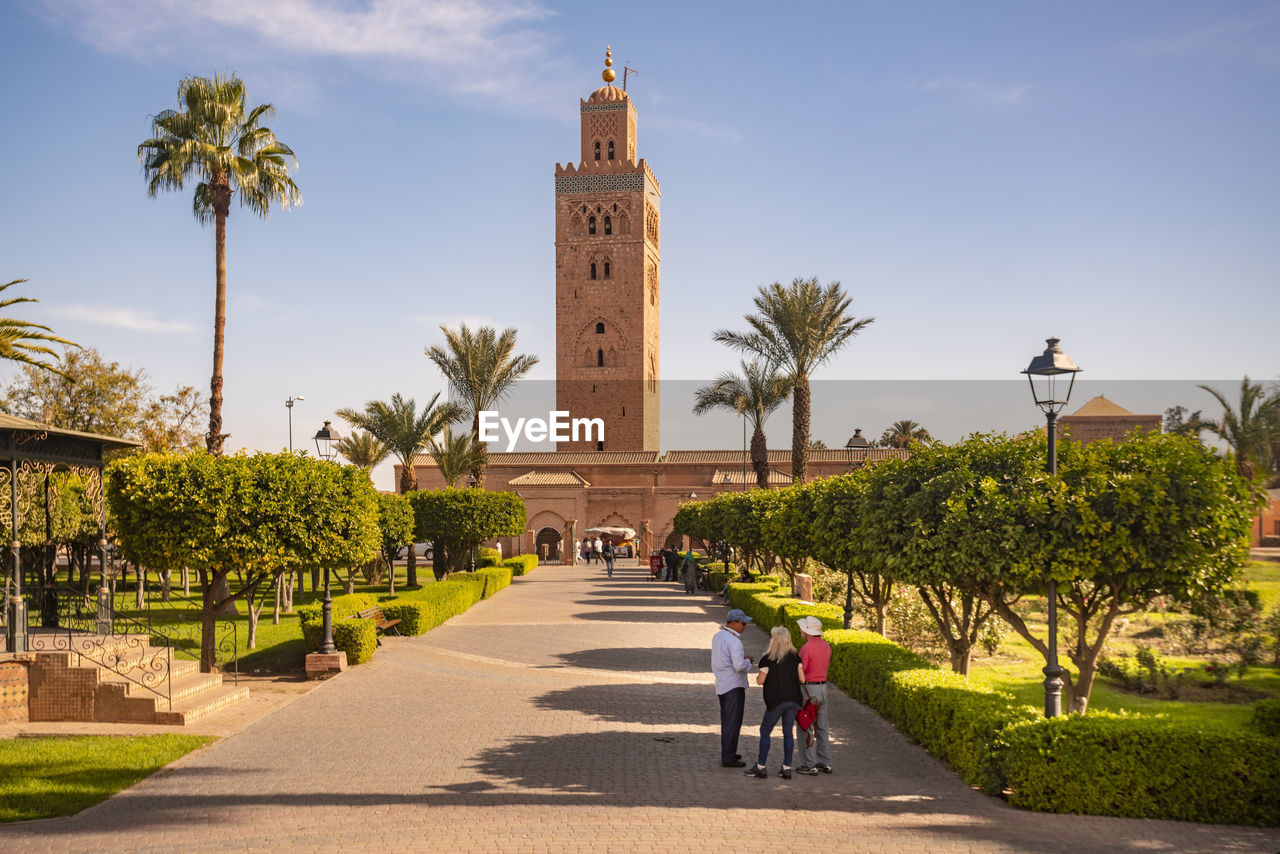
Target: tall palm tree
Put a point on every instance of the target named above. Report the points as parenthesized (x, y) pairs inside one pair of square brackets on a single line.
[(363, 449), (456, 454), (754, 394), (797, 327), (1250, 429), (217, 140), (903, 433), (404, 430), (18, 337), (481, 367)]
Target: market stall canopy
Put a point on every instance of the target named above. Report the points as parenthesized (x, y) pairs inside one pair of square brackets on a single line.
[(619, 533)]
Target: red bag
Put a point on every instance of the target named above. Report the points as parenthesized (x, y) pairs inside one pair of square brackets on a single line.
[(807, 715)]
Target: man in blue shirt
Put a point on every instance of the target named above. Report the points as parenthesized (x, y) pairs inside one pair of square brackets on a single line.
[(730, 664)]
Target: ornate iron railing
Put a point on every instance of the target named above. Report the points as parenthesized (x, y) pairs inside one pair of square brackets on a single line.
[(137, 650), (133, 651), (226, 631)]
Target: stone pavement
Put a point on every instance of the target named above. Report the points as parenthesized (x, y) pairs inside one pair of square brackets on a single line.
[(571, 713)]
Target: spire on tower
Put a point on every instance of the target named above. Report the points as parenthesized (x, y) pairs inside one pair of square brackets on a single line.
[(608, 74)]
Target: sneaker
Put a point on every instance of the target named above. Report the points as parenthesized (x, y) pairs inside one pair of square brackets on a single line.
[(807, 770), (758, 771), (784, 772), (736, 763), (825, 769)]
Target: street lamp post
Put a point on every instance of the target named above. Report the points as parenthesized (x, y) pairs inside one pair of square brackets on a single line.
[(288, 404), (1048, 367), (327, 447), (856, 441)]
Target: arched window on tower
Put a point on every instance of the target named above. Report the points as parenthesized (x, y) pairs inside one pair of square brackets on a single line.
[(606, 269), (593, 269), (599, 358), (591, 225), (599, 328), (610, 149), (608, 224), (597, 150)]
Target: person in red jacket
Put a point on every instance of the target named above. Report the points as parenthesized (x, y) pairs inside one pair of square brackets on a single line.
[(815, 658)]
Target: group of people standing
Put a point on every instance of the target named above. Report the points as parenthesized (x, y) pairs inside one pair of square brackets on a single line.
[(790, 679), (683, 568), (598, 550)]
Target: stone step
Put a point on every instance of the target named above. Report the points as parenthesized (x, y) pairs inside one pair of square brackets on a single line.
[(201, 705), (181, 686)]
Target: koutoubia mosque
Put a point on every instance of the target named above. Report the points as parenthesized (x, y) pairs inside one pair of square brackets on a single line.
[(608, 293)]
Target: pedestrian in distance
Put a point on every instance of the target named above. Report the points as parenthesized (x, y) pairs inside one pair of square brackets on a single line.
[(781, 675), (689, 572), (670, 559), (730, 664), (585, 550), (815, 656), (609, 552), (597, 550)]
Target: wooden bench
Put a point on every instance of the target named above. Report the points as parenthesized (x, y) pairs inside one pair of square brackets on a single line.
[(383, 624)]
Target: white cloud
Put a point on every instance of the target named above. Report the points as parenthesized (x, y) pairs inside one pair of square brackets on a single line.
[(465, 47), (1254, 39), (975, 90), (122, 318)]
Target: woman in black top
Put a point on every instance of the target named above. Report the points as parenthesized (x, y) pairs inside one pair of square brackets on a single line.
[(781, 675)]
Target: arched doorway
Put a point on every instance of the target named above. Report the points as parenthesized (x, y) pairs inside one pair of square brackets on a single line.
[(547, 545)]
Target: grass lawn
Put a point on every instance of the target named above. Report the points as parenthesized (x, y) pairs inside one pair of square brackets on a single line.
[(46, 777)]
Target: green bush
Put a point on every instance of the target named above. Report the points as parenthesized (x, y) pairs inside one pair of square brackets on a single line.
[(1266, 717), (521, 564), (495, 578), (488, 557), (1138, 766), (357, 638), (421, 610), (1142, 767)]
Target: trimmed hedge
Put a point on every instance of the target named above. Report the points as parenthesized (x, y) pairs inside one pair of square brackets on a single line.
[(357, 638), (521, 564), (495, 578), (1143, 767), (1266, 717), (488, 557), (421, 610), (1099, 764)]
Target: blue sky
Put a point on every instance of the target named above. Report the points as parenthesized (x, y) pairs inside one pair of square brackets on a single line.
[(978, 176)]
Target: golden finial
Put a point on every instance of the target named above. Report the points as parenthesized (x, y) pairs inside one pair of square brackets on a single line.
[(608, 73)]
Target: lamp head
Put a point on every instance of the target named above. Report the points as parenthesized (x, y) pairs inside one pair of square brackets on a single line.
[(1048, 367)]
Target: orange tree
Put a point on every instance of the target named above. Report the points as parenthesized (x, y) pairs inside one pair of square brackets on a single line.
[(458, 520), (242, 519)]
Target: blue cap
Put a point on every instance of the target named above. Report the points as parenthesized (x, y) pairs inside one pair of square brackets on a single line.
[(737, 616)]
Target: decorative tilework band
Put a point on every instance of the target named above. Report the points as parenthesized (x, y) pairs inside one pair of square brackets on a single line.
[(624, 183), (604, 108)]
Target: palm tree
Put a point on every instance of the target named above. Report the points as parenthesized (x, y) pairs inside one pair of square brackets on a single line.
[(399, 426), (18, 337), (797, 328), (456, 454), (363, 449), (481, 367), (754, 394), (1250, 429), (903, 433), (216, 139)]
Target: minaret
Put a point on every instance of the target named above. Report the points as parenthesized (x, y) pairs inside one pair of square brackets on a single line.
[(607, 282)]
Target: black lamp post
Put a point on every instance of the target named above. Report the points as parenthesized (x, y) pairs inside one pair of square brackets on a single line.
[(327, 448), (1048, 367), (473, 558)]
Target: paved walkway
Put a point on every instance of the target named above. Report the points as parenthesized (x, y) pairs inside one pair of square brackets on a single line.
[(571, 713)]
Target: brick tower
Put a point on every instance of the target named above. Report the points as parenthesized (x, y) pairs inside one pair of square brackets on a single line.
[(607, 291)]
